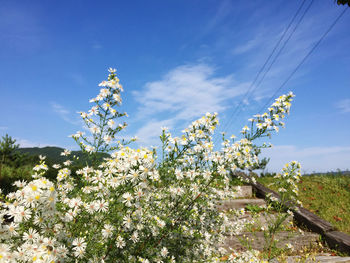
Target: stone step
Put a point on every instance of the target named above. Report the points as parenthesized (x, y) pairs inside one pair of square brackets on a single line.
[(324, 258), (243, 191), (239, 203), (257, 241), (261, 221)]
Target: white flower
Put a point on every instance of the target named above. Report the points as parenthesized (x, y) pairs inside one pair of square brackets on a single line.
[(65, 152), (120, 243), (164, 252), (111, 123), (107, 231), (41, 157), (95, 130), (127, 199), (89, 148), (135, 237), (107, 139)]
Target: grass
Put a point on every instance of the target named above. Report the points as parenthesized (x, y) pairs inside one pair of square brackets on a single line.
[(328, 196)]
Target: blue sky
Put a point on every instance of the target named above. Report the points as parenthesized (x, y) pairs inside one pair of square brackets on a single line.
[(177, 60)]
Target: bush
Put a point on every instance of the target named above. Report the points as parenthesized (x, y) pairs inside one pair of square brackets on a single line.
[(139, 205)]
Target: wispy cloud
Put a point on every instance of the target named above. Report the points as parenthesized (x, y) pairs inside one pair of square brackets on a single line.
[(3, 128), (312, 159), (222, 12), (21, 30), (64, 113), (96, 46), (248, 46), (187, 92), (344, 105), (23, 143), (78, 79), (183, 94), (149, 133)]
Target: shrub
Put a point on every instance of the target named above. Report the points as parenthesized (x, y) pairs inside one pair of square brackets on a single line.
[(139, 205)]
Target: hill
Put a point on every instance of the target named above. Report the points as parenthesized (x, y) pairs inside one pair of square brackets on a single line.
[(53, 154)]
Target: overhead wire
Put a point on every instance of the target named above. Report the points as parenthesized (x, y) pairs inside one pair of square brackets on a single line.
[(263, 67), (284, 44), (275, 58), (304, 59)]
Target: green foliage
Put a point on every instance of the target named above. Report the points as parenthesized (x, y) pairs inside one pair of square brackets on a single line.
[(254, 208), (327, 195), (11, 174), (53, 155), (8, 147)]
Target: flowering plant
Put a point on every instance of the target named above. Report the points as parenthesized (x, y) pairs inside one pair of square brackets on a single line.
[(132, 207)]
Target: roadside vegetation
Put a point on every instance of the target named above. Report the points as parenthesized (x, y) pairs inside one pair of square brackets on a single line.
[(326, 195)]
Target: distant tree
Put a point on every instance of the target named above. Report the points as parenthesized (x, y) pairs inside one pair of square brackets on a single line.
[(8, 150), (343, 2)]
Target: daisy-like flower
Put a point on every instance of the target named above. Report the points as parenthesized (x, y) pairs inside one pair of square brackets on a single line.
[(56, 166), (67, 163), (107, 231), (84, 115), (164, 252), (101, 206), (105, 92), (106, 106), (79, 243), (11, 228), (95, 130), (65, 152), (112, 70), (77, 135), (31, 235), (93, 110), (127, 221), (120, 243), (135, 237), (127, 199), (107, 139), (89, 148), (117, 98), (111, 123), (21, 214)]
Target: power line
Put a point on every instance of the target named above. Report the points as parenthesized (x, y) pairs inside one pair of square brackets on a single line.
[(284, 44), (278, 54), (304, 59), (262, 68)]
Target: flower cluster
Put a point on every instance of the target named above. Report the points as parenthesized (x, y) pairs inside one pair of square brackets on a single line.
[(132, 207), (287, 184), (267, 122), (100, 119)]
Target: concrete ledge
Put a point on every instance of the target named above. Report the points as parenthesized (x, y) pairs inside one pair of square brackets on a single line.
[(239, 203), (243, 191), (335, 239), (338, 240), (312, 221)]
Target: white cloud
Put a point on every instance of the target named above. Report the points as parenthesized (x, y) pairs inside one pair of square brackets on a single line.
[(312, 159), (23, 143), (248, 46), (64, 113), (3, 128), (344, 105), (188, 92), (149, 133), (183, 94)]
